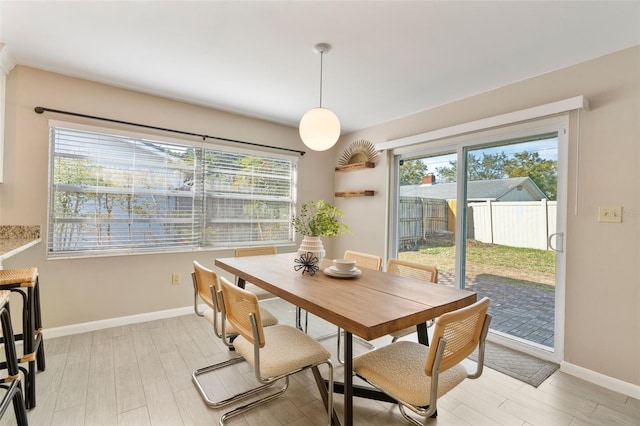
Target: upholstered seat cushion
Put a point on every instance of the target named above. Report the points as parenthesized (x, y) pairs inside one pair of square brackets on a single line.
[(404, 332), (398, 369), (268, 319), (286, 349), (260, 293)]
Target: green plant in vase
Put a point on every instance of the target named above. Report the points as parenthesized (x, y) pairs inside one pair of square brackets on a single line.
[(316, 219)]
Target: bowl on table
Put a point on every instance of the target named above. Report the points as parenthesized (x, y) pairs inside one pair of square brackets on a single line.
[(344, 265)]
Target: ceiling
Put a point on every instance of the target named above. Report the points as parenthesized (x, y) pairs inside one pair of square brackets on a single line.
[(389, 59)]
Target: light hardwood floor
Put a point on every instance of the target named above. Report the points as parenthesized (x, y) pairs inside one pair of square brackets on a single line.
[(141, 375)]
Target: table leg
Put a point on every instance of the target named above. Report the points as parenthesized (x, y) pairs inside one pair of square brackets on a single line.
[(423, 337), (241, 282), (348, 378), (322, 387), (299, 319)]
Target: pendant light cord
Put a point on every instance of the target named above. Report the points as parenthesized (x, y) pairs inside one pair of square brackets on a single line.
[(321, 56)]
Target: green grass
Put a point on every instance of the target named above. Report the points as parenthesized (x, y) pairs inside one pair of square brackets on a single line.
[(502, 256)]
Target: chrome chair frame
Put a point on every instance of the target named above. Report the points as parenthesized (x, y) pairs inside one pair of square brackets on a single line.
[(268, 381), (216, 298)]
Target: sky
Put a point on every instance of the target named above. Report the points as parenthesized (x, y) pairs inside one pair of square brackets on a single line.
[(546, 148)]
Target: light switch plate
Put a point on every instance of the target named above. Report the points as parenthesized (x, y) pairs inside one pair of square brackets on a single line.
[(610, 214)]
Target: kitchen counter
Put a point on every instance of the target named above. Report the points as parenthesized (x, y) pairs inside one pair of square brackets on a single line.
[(14, 239)]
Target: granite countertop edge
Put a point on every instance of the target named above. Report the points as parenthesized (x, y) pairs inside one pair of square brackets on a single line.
[(16, 238)]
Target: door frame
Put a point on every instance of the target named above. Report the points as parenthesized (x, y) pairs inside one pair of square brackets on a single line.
[(459, 144)]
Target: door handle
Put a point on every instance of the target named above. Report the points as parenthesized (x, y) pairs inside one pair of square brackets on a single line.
[(559, 242)]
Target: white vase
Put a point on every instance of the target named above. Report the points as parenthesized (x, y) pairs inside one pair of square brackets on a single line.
[(311, 244)]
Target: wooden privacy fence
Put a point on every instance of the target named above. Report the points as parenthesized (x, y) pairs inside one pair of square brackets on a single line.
[(419, 217), (511, 223)]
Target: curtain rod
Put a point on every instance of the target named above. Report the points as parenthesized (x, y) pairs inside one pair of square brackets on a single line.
[(40, 110)]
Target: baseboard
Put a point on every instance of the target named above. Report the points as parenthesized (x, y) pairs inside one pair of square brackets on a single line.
[(50, 333), (599, 379)]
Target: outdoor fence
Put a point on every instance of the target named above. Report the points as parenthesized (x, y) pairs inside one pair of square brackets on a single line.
[(511, 223), (420, 217)]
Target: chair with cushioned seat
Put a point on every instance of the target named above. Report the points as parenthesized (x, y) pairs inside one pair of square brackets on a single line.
[(206, 287), (364, 260), (260, 293), (25, 281), (416, 375), (275, 352), (414, 270)]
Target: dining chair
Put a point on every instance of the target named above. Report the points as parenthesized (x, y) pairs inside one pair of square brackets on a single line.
[(274, 352), (416, 375), (414, 270), (206, 286), (364, 260), (367, 261), (261, 293), (256, 251)]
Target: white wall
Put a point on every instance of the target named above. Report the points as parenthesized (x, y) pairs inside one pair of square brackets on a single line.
[(603, 280)]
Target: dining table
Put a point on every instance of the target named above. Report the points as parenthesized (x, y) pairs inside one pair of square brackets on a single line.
[(369, 305)]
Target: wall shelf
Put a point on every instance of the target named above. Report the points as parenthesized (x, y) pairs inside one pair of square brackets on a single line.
[(355, 166), (359, 193)]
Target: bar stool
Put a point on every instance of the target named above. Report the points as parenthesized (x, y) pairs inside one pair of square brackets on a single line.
[(25, 282), (11, 383)]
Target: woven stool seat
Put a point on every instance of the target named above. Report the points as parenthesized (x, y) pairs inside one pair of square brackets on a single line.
[(24, 281), (22, 277)]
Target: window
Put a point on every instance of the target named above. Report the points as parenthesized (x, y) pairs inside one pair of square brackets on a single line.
[(123, 193)]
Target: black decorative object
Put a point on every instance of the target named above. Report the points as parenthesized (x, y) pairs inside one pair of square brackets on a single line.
[(307, 262)]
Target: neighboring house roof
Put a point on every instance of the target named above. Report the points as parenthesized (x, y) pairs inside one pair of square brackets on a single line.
[(510, 189)]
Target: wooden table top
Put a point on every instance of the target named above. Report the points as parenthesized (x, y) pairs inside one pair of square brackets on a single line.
[(370, 306)]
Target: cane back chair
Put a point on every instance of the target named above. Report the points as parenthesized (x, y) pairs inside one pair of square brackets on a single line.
[(367, 261), (414, 270), (416, 375), (274, 352), (206, 287)]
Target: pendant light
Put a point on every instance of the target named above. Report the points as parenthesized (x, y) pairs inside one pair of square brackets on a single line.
[(320, 127)]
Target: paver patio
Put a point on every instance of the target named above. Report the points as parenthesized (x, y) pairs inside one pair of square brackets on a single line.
[(522, 310)]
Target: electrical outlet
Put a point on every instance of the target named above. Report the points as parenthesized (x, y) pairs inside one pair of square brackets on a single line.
[(175, 278), (610, 214)]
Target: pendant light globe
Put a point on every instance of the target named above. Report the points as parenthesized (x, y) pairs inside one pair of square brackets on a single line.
[(319, 129)]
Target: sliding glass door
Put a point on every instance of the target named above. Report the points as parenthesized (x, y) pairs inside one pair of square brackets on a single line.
[(488, 212)]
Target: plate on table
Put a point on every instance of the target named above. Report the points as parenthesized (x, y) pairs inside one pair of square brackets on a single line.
[(332, 271)]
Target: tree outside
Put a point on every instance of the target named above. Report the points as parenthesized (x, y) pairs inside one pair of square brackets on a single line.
[(411, 172), (543, 172)]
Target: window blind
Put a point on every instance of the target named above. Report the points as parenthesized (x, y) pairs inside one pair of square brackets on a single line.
[(114, 194)]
